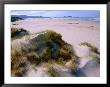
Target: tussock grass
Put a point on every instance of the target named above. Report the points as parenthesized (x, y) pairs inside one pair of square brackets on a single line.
[(46, 46), (91, 47), (61, 61), (33, 58), (96, 57), (53, 72), (18, 63), (96, 54), (74, 67), (18, 32)]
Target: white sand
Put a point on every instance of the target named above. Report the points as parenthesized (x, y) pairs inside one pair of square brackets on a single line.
[(72, 31)]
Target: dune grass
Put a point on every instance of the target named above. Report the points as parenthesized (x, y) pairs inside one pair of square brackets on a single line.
[(91, 47), (18, 33), (61, 61), (33, 58), (53, 72), (44, 47), (96, 57), (18, 63), (96, 54)]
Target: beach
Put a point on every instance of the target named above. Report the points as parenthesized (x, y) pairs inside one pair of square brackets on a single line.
[(73, 32)]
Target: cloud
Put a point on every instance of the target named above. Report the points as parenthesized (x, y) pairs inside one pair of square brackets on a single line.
[(74, 13), (27, 12)]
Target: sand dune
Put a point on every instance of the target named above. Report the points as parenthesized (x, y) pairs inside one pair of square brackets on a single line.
[(72, 31)]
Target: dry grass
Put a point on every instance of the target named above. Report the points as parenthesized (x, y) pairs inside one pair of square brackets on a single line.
[(18, 32), (96, 57), (91, 47), (46, 46), (94, 49), (18, 63), (51, 70)]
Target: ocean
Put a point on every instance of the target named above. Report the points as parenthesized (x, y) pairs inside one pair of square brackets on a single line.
[(76, 18)]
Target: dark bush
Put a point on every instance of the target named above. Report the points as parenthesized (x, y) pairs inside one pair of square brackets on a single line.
[(13, 19), (18, 32)]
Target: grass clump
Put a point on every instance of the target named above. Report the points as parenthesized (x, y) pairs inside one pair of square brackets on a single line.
[(91, 47), (19, 71), (74, 67), (61, 61), (96, 54), (53, 72), (33, 58), (18, 63), (18, 32), (51, 46), (50, 70), (96, 57)]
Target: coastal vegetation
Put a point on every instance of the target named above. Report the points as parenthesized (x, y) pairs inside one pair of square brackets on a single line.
[(91, 47), (13, 19), (18, 32), (95, 51), (45, 47), (53, 72), (96, 57)]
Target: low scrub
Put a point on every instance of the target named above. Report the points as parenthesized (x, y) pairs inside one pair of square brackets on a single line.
[(18, 32), (46, 46), (18, 63), (91, 47), (96, 54), (13, 19), (53, 72)]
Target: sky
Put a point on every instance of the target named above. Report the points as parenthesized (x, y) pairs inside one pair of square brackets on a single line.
[(73, 13)]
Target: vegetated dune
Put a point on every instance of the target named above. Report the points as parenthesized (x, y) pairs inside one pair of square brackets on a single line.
[(84, 37), (45, 47)]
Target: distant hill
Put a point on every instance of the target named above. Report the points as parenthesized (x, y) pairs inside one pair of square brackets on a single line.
[(25, 16)]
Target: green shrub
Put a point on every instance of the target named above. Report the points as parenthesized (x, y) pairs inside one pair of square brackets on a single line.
[(18, 32), (13, 19)]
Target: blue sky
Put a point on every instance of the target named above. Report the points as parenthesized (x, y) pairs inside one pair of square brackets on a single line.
[(74, 13)]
